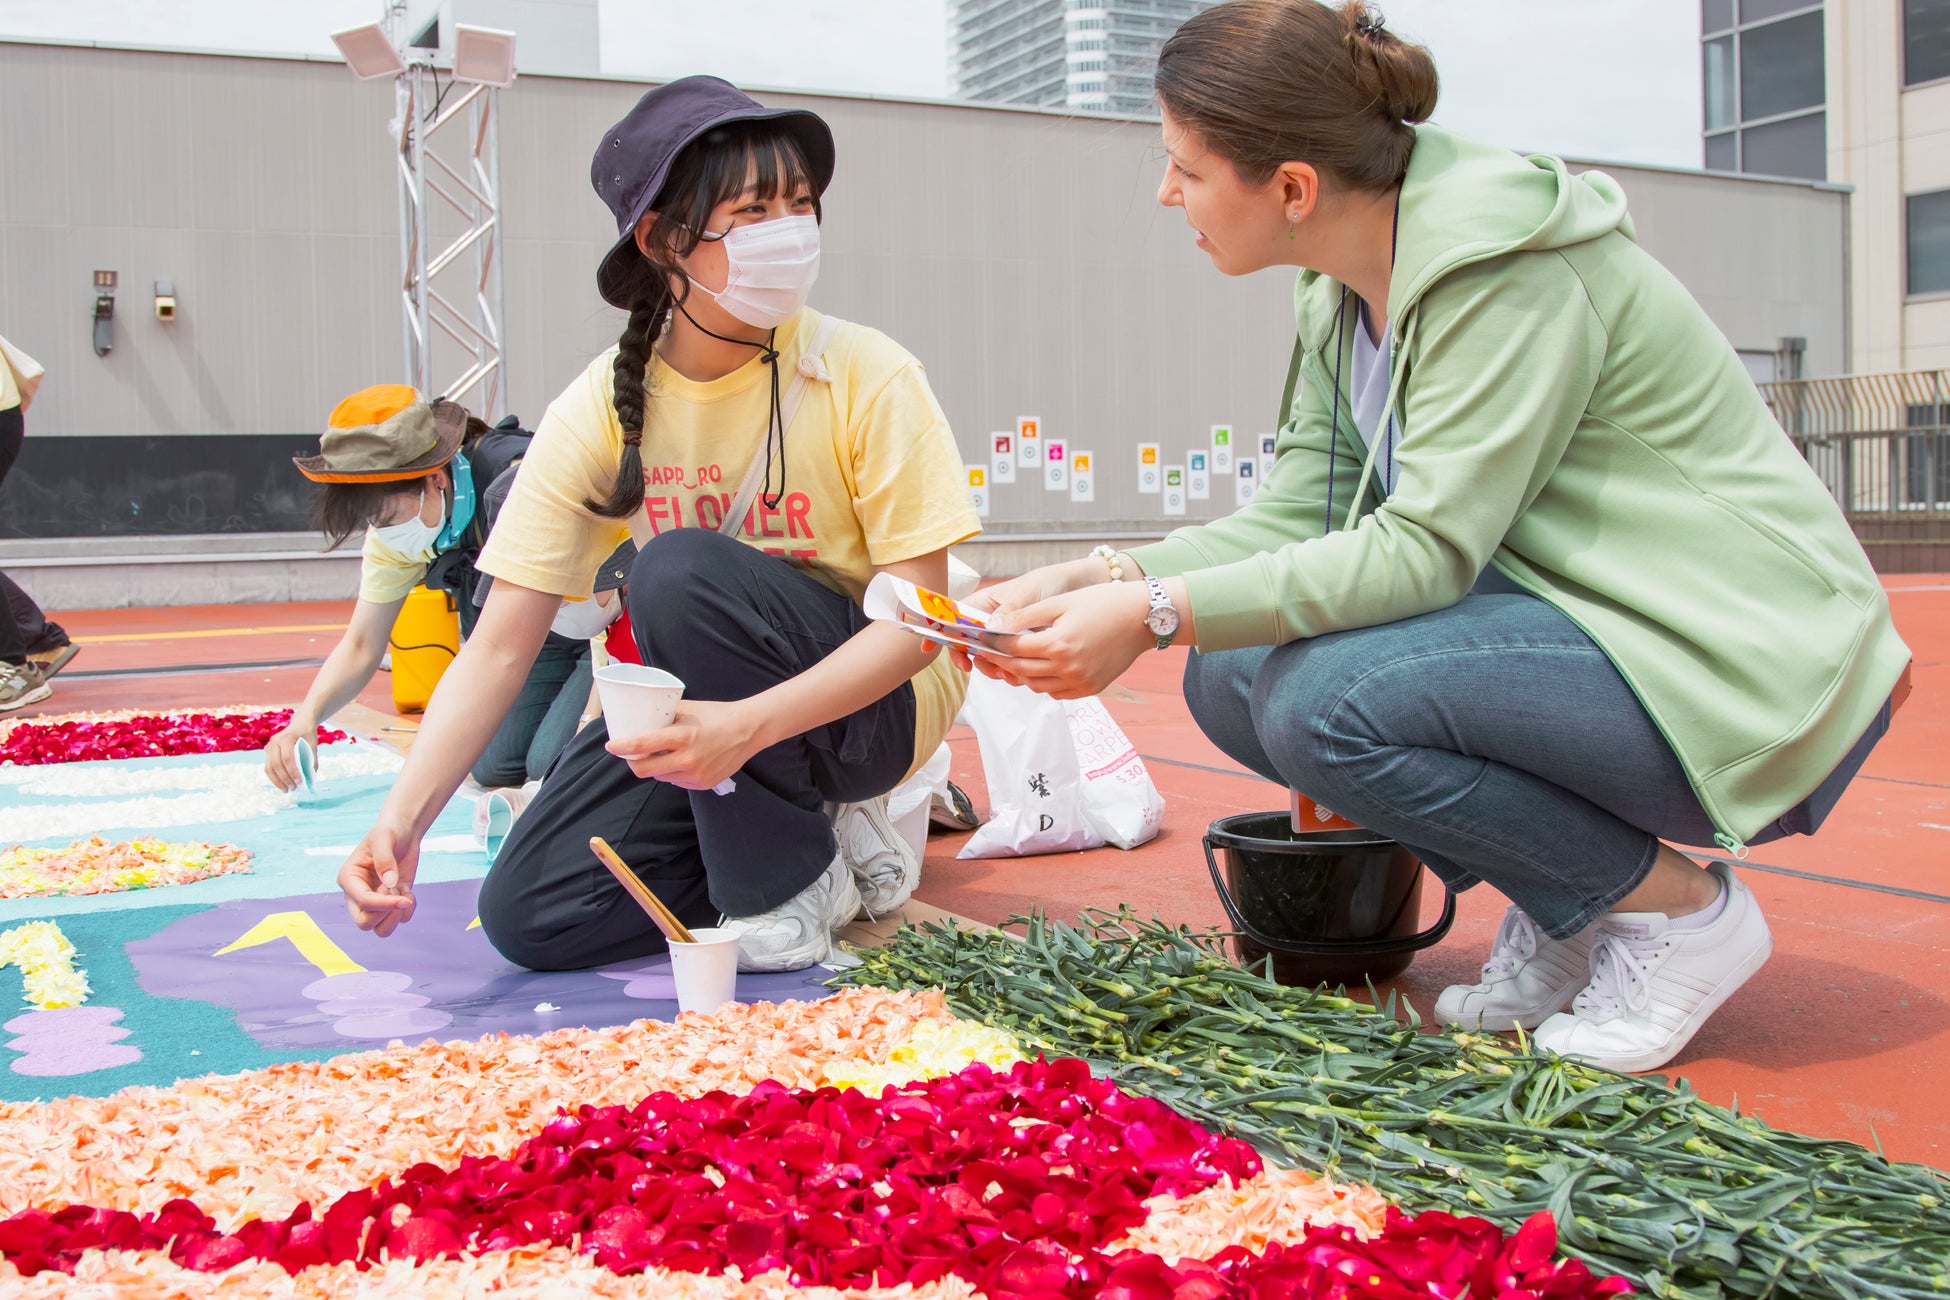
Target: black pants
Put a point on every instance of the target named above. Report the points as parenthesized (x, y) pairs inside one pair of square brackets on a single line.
[(24, 630), (731, 622)]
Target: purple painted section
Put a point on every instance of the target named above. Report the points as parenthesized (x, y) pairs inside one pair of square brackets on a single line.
[(450, 970), (655, 982), (69, 1040)]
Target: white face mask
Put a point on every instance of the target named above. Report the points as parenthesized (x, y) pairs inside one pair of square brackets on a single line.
[(579, 620), (772, 266), (412, 537)]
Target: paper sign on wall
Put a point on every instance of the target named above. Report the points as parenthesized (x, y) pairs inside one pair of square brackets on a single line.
[(1268, 445), (1056, 465), (1029, 441), (1198, 478), (1083, 478), (1222, 449), (1149, 479), (1174, 489), (1245, 482), (978, 487), (1002, 458)]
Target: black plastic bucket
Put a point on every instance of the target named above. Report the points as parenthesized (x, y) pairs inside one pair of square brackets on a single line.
[(1329, 907)]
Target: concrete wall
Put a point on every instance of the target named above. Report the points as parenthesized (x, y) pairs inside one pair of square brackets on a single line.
[(1020, 254)]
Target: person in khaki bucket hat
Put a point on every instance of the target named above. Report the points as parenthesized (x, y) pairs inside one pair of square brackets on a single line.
[(403, 471), (385, 434)]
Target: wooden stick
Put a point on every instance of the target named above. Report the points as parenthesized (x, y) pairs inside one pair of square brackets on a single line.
[(666, 919)]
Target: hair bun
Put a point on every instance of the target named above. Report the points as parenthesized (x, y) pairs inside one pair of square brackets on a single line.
[(1400, 78)]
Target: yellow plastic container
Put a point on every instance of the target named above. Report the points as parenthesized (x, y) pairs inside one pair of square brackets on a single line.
[(426, 637)]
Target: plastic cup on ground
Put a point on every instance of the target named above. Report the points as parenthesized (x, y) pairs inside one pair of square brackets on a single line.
[(306, 760), (706, 972), (637, 699)]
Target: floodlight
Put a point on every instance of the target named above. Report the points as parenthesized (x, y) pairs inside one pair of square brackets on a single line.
[(369, 52), (484, 56)]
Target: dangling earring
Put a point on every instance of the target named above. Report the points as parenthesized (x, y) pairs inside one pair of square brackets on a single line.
[(1292, 223)]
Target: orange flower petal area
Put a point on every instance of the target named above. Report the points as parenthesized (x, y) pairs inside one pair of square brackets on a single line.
[(260, 1142), (1272, 1205)]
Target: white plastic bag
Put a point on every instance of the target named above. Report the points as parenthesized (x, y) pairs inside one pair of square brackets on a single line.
[(1036, 802), (908, 802), (1121, 803)]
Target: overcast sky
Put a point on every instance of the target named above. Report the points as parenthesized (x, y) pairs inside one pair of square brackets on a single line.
[(1605, 79)]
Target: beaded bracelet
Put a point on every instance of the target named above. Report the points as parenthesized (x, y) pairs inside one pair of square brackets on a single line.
[(1108, 555)]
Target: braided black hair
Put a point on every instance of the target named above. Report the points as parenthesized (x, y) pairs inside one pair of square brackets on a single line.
[(716, 167)]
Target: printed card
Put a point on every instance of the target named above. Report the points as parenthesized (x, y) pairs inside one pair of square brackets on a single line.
[(1198, 477), (978, 488), (1083, 478), (1222, 449), (1056, 465), (1174, 489), (1002, 458), (1029, 442), (1245, 482), (1150, 477), (931, 615)]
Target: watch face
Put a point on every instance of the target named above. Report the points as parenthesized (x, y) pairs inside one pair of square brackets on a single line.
[(1162, 620)]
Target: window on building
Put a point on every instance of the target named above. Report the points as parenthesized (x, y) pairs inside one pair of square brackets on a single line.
[(1759, 11), (1765, 87), (1794, 146), (1926, 41), (1721, 107), (1927, 228), (1781, 67)]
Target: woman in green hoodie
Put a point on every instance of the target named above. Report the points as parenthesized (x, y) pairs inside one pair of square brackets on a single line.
[(1536, 586)]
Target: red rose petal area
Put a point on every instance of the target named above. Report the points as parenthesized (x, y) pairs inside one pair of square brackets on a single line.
[(1014, 1181), (160, 735)]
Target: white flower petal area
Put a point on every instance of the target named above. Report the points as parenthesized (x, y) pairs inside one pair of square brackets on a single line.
[(224, 792)]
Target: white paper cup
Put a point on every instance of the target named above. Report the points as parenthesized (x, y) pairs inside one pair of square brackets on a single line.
[(637, 700), (706, 972)]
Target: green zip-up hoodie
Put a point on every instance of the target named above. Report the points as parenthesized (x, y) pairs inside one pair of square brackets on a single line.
[(1571, 416)]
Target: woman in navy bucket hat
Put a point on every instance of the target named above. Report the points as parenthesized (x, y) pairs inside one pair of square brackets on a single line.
[(768, 461)]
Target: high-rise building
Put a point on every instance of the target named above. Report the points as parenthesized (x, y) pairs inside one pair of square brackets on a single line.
[(1859, 95), (1093, 55)]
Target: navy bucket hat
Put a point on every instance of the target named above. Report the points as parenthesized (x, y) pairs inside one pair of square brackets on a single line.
[(636, 154)]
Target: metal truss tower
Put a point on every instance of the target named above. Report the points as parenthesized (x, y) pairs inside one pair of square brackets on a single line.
[(448, 151)]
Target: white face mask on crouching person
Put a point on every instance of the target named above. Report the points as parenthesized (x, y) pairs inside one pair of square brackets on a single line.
[(770, 269), (412, 536), (579, 620)]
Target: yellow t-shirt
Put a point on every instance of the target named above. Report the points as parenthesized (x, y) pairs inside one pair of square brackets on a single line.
[(9, 390), (872, 477), (387, 575)]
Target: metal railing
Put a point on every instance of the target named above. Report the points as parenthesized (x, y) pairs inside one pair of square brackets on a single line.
[(1881, 443)]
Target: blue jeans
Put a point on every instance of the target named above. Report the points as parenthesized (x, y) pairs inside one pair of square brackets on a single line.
[(543, 717), (1493, 738)]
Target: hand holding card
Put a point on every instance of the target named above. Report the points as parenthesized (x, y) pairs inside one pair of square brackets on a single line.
[(932, 616)]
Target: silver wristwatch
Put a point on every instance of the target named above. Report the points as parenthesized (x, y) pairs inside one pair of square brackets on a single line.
[(1163, 617)]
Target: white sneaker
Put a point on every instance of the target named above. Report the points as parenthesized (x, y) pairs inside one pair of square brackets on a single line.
[(883, 863), (22, 685), (1529, 978), (798, 932), (1653, 986)]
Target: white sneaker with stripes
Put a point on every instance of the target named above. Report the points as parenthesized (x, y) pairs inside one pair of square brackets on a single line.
[(1653, 984), (1529, 978)]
